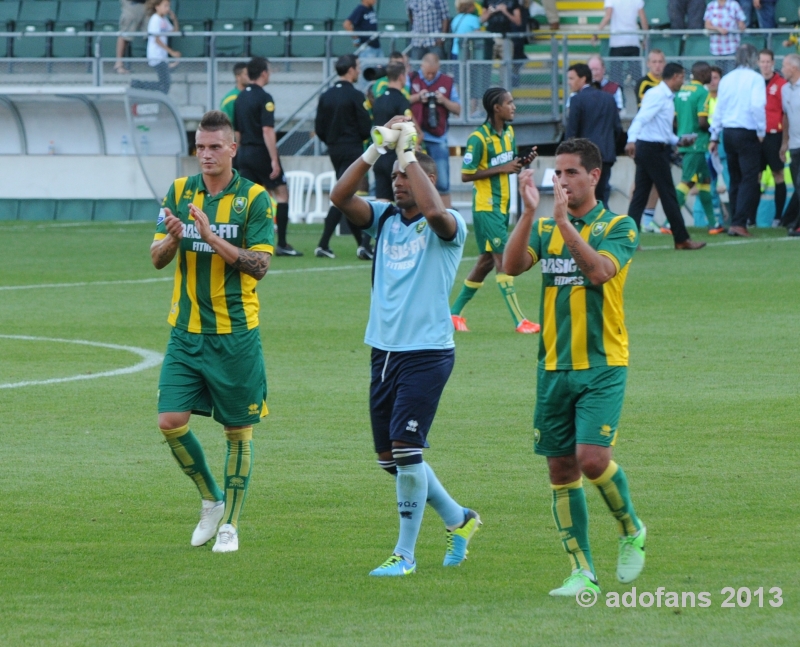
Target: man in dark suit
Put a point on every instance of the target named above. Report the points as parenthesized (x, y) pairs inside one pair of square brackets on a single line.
[(593, 115)]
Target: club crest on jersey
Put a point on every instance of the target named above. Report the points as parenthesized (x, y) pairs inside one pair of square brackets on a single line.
[(421, 225), (468, 158), (598, 228), (239, 204), (161, 216)]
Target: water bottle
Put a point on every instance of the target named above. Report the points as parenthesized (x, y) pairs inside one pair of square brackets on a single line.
[(144, 145), (51, 148), (126, 150)]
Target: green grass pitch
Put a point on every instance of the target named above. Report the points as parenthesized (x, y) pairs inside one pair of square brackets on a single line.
[(95, 517)]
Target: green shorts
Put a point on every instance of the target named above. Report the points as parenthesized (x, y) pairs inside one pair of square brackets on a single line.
[(695, 168), (219, 375), (577, 407), (491, 231)]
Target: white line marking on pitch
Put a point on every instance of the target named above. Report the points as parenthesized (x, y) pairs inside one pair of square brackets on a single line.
[(150, 359), (338, 268)]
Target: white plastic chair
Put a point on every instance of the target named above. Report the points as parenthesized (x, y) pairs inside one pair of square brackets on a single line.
[(299, 185), (321, 205)]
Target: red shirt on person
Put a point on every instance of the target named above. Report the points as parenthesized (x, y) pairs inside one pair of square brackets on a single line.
[(774, 103)]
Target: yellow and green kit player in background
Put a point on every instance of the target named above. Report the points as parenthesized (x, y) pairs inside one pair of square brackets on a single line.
[(490, 158), (691, 115), (585, 252), (220, 227), (242, 81)]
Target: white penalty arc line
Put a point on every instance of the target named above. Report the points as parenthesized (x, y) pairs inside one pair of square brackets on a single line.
[(150, 359)]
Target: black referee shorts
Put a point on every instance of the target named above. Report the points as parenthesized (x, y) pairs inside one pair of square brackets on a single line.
[(771, 152), (255, 164)]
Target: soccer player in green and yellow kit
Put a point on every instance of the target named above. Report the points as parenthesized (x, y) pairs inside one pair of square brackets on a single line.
[(585, 252), (220, 226), (691, 113), (242, 81), (490, 158)]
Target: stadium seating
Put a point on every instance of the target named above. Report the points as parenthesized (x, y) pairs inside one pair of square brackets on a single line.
[(657, 14), (78, 15), (35, 16), (311, 16), (272, 18), (786, 12), (9, 11), (107, 21), (233, 15), (670, 45)]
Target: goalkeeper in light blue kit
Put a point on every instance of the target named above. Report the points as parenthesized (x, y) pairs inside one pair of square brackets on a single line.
[(418, 248)]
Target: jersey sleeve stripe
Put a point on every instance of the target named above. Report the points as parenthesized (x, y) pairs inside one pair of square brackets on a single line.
[(533, 255), (613, 222), (610, 256), (159, 236), (262, 248)]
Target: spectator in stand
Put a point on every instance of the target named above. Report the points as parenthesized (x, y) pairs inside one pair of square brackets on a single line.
[(765, 10), (771, 146), (601, 81), (747, 10), (724, 18), (623, 16), (433, 97), (364, 18), (593, 115), (741, 118), (427, 17), (132, 18), (229, 100), (551, 11), (502, 17), (158, 50), (686, 14), (791, 133), (465, 22)]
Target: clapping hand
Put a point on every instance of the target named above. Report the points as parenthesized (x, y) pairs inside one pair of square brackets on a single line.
[(528, 190), (560, 202)]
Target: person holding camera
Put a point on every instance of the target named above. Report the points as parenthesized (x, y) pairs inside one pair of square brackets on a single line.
[(433, 97)]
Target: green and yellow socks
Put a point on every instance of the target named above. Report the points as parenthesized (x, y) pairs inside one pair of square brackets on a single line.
[(704, 195), (468, 291), (505, 284), (238, 464), (613, 487), (189, 454), (572, 521)]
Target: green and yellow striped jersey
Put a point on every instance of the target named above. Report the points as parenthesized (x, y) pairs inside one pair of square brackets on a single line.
[(691, 103), (227, 103), (209, 295), (487, 148), (583, 325)]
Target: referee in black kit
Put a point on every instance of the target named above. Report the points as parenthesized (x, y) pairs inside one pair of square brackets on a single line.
[(343, 124), (392, 103), (257, 158)]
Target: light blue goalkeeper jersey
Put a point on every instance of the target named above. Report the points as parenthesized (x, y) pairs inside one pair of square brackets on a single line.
[(414, 273)]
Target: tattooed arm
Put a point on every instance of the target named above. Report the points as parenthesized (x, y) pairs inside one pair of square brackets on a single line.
[(598, 268), (253, 264), (163, 251)]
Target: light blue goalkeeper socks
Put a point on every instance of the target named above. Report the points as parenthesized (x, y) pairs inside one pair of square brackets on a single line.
[(451, 513), (412, 491)]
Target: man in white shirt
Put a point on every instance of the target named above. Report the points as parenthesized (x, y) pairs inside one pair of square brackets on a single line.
[(790, 97), (741, 118), (623, 16), (650, 141)]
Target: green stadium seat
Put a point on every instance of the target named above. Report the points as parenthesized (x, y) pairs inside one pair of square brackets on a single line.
[(278, 10), (392, 11), (78, 15), (341, 45), (107, 21), (317, 11), (144, 210), (190, 47), (198, 11), (37, 210), (756, 40), (308, 46), (9, 209), (670, 45), (233, 15), (345, 9), (111, 210), (74, 209), (34, 17), (786, 12), (657, 14), (9, 10), (272, 46), (697, 46)]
